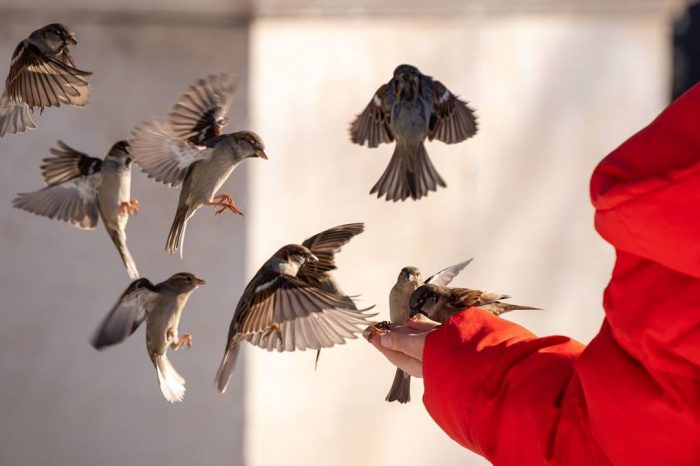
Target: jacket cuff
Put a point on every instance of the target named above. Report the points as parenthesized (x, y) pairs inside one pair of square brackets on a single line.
[(456, 370)]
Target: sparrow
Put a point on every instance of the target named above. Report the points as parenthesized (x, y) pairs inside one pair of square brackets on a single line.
[(80, 188), (410, 108), (409, 279), (440, 302), (160, 306), (187, 149), (42, 74), (293, 303)]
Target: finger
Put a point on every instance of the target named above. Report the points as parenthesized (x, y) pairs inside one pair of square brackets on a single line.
[(420, 322), (405, 340), (401, 360)]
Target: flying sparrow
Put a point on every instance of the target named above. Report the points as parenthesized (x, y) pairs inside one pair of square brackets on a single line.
[(292, 302), (42, 74), (408, 109), (187, 149), (81, 188), (409, 279), (160, 306), (440, 302)]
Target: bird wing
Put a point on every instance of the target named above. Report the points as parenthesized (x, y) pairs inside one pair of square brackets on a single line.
[(73, 201), (462, 298), (372, 125), (325, 246), (286, 313), (162, 154), (125, 316), (446, 275), (42, 81), (67, 164), (452, 120), (200, 113)]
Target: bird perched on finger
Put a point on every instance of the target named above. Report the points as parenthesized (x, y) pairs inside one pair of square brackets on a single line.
[(440, 302), (293, 303), (42, 74), (80, 189), (408, 109), (187, 149), (409, 279), (160, 306)]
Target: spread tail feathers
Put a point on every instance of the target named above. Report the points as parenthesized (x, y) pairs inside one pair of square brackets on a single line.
[(410, 174), (172, 385), (119, 240), (177, 231), (401, 388), (14, 117), (223, 375)]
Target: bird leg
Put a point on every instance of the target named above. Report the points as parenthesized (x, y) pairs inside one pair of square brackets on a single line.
[(130, 207), (186, 339), (274, 328), (225, 201)]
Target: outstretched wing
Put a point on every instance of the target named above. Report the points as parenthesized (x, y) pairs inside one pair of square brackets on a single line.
[(73, 201), (126, 315), (452, 120), (162, 154), (67, 164), (287, 314), (446, 275), (200, 113), (42, 81), (325, 246), (372, 125)]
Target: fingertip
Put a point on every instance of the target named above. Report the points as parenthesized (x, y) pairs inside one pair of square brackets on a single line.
[(386, 342)]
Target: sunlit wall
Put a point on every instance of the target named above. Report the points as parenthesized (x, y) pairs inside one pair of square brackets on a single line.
[(554, 93)]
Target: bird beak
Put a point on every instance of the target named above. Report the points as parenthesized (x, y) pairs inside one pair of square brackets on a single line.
[(261, 153), (198, 281), (72, 40), (312, 258)]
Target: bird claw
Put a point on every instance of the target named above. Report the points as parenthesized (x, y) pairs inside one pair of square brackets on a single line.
[(225, 201), (185, 339), (130, 207), (274, 328)]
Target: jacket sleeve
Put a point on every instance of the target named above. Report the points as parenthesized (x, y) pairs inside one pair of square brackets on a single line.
[(493, 386), (517, 399), (647, 199)]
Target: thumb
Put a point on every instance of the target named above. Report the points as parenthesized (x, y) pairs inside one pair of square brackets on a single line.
[(404, 340)]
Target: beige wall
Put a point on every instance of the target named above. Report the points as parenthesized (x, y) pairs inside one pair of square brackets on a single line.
[(62, 402), (553, 94)]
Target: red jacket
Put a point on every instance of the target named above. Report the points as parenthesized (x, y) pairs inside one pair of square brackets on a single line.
[(632, 396)]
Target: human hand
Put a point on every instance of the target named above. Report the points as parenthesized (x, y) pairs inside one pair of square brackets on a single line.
[(403, 344)]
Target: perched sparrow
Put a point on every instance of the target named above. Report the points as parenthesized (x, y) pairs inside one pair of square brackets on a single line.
[(160, 306), (440, 302), (81, 187), (409, 280), (188, 149), (409, 108), (292, 302), (42, 74)]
